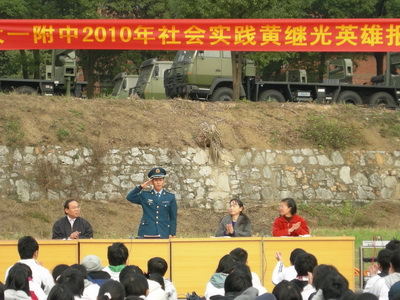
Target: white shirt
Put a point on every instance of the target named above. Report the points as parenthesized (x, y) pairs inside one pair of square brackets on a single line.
[(281, 273), (40, 275), (155, 291)]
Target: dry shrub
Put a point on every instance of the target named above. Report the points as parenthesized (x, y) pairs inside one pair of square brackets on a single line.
[(209, 137)]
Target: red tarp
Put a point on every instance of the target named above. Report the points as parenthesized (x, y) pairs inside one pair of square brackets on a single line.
[(318, 35)]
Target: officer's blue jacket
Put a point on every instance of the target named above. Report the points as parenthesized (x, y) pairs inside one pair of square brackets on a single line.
[(159, 213)]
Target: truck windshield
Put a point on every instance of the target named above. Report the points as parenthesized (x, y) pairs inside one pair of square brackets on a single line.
[(184, 56), (144, 74)]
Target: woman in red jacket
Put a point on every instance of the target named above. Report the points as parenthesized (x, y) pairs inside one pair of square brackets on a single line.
[(289, 224)]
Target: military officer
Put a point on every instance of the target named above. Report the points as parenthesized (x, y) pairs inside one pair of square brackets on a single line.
[(159, 206)]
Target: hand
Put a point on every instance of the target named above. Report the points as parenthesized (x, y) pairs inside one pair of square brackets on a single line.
[(74, 235), (229, 228), (146, 183), (278, 256), (296, 226), (373, 269)]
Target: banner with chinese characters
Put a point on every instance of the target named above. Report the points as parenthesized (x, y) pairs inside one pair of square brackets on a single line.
[(321, 35)]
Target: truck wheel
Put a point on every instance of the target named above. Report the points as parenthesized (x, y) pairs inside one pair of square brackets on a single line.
[(382, 99), (271, 96), (349, 97), (222, 94), (24, 89)]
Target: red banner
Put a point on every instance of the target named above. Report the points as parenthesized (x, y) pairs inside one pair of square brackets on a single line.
[(321, 35)]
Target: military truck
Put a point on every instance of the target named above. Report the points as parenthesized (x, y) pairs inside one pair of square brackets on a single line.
[(124, 85), (150, 84), (207, 75), (60, 78)]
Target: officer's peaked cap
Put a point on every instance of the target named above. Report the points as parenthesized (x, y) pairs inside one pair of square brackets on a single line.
[(157, 173)]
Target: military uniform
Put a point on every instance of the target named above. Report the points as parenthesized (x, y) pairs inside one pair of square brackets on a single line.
[(159, 212)]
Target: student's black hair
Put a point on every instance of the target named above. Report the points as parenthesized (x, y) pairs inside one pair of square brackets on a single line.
[(395, 260), (304, 263), (335, 286), (17, 279), (82, 269), (60, 292), (383, 259), (365, 296), (291, 204), (2, 291), (225, 264), (237, 282), (129, 271), (117, 254), (157, 265), (27, 246), (295, 253), (57, 271), (393, 244), (111, 290), (239, 254), (286, 290), (241, 267), (136, 285), (320, 273), (74, 280)]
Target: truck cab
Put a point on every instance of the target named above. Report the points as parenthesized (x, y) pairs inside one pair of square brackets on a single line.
[(203, 75), (150, 84), (124, 85)]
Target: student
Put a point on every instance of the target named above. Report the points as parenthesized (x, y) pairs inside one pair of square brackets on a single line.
[(74, 280), (111, 290), (304, 264), (17, 284), (237, 286), (117, 255), (94, 269), (158, 265), (60, 292), (91, 290), (285, 273), (28, 250), (216, 284), (381, 269), (241, 255), (136, 285), (72, 226), (286, 290)]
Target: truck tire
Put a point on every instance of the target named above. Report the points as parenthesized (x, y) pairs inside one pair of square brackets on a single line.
[(222, 94), (271, 96), (24, 89), (349, 97), (382, 99)]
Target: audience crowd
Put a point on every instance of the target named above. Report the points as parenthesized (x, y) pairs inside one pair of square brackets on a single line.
[(303, 279)]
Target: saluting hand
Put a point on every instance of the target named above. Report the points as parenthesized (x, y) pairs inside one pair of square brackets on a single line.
[(146, 183)]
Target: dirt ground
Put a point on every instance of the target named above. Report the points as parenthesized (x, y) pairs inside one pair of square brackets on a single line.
[(178, 124)]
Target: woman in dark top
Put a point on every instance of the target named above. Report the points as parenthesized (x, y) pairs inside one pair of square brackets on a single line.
[(236, 224)]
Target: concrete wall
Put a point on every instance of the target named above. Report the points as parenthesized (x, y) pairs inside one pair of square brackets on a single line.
[(255, 176)]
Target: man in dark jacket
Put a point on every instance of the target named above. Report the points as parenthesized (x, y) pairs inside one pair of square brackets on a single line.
[(72, 226)]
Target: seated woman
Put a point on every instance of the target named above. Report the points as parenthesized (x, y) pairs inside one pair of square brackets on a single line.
[(236, 224), (289, 224)]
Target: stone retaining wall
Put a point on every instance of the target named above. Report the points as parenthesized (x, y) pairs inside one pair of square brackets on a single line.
[(255, 176)]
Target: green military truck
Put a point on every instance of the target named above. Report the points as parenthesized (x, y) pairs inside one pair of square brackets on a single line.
[(207, 75), (150, 84), (124, 85), (60, 78)]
